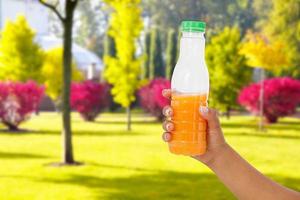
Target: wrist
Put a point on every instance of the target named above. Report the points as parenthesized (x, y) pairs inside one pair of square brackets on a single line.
[(217, 155)]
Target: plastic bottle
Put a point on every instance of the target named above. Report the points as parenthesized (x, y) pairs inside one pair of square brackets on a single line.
[(190, 88)]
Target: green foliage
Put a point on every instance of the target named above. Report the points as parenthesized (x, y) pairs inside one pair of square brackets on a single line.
[(169, 13), (217, 13), (123, 70), (178, 42), (21, 58), (227, 68), (261, 9), (52, 72), (284, 24), (109, 46), (238, 13), (145, 69), (156, 64), (171, 53), (90, 16)]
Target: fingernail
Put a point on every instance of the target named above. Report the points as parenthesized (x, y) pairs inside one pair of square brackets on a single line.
[(169, 111), (164, 91), (166, 137), (169, 127), (203, 110)]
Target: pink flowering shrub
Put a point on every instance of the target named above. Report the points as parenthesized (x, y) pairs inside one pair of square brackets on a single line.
[(89, 98), (18, 101), (150, 96), (281, 97)]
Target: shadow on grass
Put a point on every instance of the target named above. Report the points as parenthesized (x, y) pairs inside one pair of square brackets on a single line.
[(290, 123), (284, 126), (264, 135), (156, 184), (124, 122), (99, 133), (280, 126), (159, 185), (10, 155), (123, 167), (15, 132)]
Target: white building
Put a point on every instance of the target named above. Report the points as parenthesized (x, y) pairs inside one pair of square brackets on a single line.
[(38, 18)]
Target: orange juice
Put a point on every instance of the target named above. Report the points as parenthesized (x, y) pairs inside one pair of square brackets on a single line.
[(189, 134)]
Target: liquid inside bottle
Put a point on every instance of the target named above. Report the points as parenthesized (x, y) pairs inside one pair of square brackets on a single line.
[(190, 88)]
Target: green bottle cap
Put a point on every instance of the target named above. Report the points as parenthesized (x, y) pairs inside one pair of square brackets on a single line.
[(193, 26)]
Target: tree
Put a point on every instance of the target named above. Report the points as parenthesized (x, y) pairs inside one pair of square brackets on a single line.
[(89, 25), (21, 58), (18, 101), (171, 53), (169, 13), (227, 69), (238, 13), (52, 72), (109, 46), (261, 53), (67, 23), (110, 50), (275, 99), (145, 70), (261, 10), (151, 99), (283, 24), (123, 70), (89, 98), (156, 64)]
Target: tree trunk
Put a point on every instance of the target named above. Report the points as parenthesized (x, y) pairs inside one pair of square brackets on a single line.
[(67, 23), (261, 100), (11, 127), (67, 71), (271, 119), (228, 109), (128, 118)]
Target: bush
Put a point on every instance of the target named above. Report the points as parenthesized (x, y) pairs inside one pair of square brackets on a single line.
[(151, 99), (281, 97), (18, 101), (89, 98)]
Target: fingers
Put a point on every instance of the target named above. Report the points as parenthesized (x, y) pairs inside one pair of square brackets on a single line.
[(211, 116), (166, 93), (168, 126), (167, 111), (167, 137)]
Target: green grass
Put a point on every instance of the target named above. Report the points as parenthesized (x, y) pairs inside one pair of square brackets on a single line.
[(134, 165)]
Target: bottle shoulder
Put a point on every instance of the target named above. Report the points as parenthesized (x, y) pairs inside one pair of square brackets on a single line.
[(190, 78)]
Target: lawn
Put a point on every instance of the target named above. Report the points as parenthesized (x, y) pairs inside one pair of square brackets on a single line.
[(134, 165)]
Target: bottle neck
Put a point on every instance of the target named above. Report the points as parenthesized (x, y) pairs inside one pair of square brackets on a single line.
[(192, 46)]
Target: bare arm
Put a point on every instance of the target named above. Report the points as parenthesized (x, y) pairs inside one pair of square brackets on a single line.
[(243, 180)]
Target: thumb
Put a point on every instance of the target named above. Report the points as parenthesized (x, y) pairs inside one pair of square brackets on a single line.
[(211, 115)]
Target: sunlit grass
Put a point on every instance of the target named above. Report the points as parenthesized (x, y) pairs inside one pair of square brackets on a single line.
[(134, 165)]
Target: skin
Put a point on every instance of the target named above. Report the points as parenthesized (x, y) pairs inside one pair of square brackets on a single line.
[(242, 179)]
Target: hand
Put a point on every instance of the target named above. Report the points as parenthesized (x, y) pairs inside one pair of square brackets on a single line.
[(215, 139)]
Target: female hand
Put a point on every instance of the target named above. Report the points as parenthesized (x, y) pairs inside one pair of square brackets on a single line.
[(215, 138)]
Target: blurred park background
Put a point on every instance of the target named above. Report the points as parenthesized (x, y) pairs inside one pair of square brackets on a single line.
[(80, 95)]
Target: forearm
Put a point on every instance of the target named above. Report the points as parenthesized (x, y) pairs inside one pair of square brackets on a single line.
[(244, 180)]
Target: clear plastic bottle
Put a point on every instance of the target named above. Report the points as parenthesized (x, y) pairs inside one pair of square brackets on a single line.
[(190, 88)]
